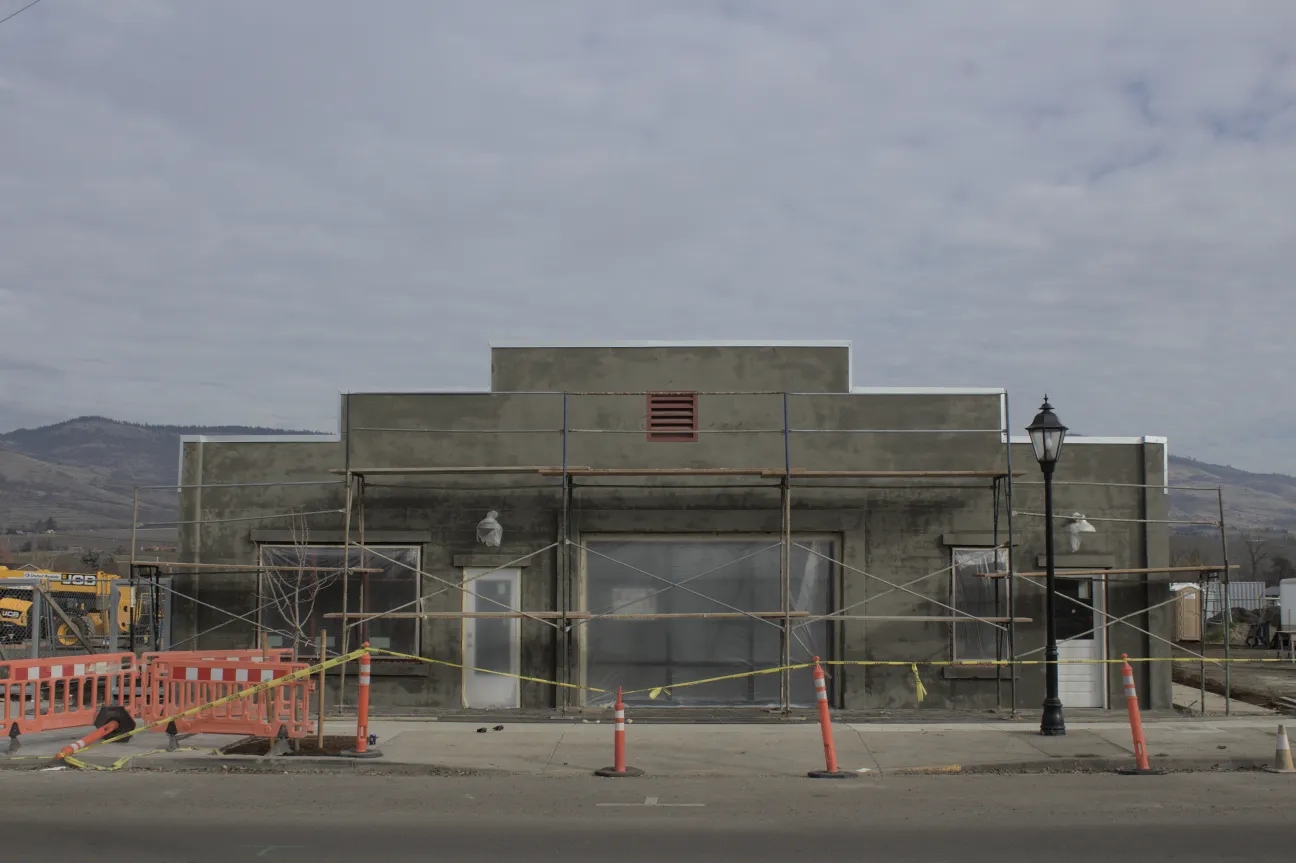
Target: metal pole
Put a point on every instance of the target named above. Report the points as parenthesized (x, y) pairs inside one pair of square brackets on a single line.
[(364, 558), (785, 561), (157, 607), (1011, 588), (112, 640), (1052, 723), (134, 527), (36, 617), (195, 583), (134, 592), (134, 598), (323, 654), (346, 583), (164, 604), (999, 636), (564, 574), (1203, 582), (1228, 608)]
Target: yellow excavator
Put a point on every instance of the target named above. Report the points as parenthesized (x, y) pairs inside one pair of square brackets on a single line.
[(83, 598)]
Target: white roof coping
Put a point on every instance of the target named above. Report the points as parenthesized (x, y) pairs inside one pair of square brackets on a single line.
[(1081, 439), (928, 391), (704, 343)]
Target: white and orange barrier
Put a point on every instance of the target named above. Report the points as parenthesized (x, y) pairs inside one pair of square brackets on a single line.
[(830, 770), (179, 686), (1141, 765), (1282, 754), (63, 692), (619, 767), (362, 749), (278, 654)]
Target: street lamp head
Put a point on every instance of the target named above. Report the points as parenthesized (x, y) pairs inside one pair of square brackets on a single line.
[(1047, 434)]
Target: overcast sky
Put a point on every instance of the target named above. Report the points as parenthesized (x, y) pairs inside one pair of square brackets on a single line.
[(227, 211)]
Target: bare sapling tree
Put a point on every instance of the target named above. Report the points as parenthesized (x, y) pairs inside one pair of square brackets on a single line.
[(1257, 549), (294, 581)]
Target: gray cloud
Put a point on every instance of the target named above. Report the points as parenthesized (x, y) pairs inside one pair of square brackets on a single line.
[(227, 212)]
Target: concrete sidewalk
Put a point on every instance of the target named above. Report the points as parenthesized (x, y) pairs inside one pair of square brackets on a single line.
[(565, 748)]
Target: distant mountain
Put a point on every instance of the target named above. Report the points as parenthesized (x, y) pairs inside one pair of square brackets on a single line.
[(1252, 501), (82, 473)]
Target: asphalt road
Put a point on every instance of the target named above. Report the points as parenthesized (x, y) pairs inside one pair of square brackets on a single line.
[(145, 817)]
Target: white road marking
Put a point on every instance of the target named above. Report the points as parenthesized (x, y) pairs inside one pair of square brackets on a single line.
[(266, 849), (651, 801)]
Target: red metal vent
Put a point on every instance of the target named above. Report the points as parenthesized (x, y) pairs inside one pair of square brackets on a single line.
[(672, 416)]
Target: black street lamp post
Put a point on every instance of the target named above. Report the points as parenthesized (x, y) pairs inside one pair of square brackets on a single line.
[(1046, 436)]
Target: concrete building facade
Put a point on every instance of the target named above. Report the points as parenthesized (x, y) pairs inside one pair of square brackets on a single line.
[(669, 513)]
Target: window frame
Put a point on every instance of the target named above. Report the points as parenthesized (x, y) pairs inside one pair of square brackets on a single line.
[(262, 603), (835, 630), (1000, 557)]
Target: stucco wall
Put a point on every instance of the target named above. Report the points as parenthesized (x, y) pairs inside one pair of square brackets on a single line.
[(708, 368), (894, 535)]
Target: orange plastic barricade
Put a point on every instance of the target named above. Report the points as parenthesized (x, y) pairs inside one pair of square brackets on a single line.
[(278, 654), (175, 686), (63, 692)]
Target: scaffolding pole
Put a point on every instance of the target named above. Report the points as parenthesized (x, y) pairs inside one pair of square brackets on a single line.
[(133, 564), (1228, 610), (581, 615), (1000, 637), (785, 562), (1012, 558), (1203, 583), (563, 591), (346, 577)]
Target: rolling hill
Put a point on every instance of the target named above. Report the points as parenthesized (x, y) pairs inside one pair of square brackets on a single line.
[(1252, 501), (82, 473)]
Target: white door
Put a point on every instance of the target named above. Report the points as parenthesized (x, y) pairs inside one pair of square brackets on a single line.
[(1079, 637), (491, 643)]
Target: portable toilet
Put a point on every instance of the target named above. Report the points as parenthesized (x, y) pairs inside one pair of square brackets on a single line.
[(1287, 603)]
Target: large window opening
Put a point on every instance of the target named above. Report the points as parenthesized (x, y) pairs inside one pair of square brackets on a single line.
[(725, 576), (301, 583), (974, 591)]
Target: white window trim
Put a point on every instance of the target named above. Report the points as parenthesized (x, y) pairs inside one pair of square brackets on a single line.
[(342, 622), (582, 568), (953, 579)]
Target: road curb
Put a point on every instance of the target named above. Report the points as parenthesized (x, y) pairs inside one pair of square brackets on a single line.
[(161, 763), (266, 764), (1108, 765)]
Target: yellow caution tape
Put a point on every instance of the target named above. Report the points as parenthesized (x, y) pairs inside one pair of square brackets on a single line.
[(918, 684), (653, 692), (919, 688), (485, 670), (656, 691), (122, 762), (27, 758)]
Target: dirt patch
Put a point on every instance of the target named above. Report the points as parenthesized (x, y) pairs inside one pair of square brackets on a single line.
[(333, 745), (1261, 684)]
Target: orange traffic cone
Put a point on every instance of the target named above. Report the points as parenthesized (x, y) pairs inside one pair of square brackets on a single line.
[(1282, 757), (1141, 766)]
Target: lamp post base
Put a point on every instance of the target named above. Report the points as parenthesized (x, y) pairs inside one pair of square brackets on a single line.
[(1052, 723)]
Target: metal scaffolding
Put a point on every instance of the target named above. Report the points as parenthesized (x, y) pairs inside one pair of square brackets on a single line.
[(571, 483), (785, 479), (1207, 574)]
